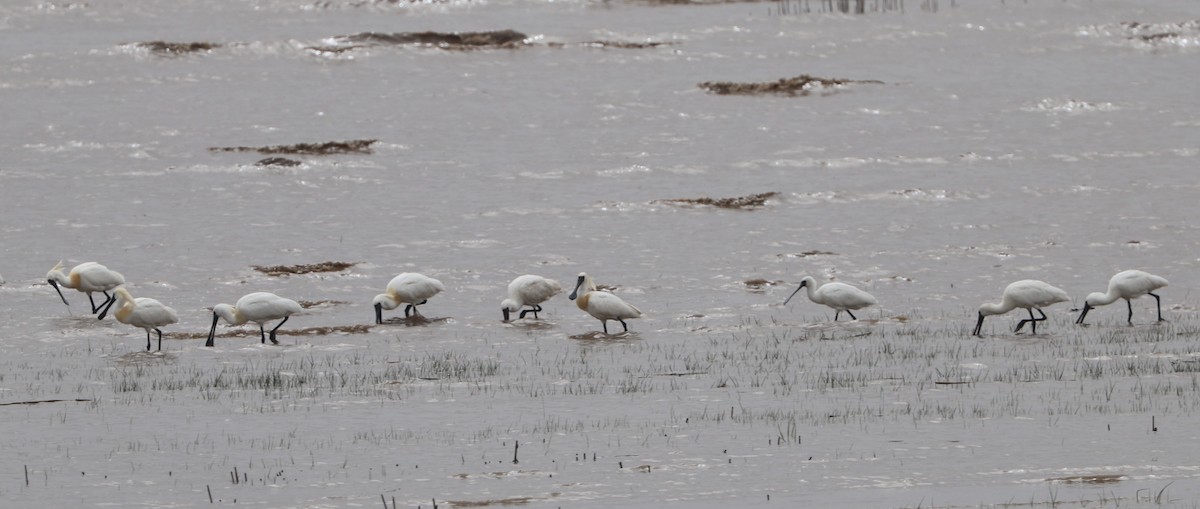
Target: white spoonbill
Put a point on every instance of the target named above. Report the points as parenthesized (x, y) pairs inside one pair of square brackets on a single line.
[(528, 290), (1128, 285), (839, 296), (408, 288), (603, 306), (1027, 294), (148, 314), (86, 277), (257, 307)]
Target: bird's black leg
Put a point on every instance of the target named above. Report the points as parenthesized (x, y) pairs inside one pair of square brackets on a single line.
[(836, 315), (626, 327), (1157, 304), (523, 312), (106, 307), (148, 341), (1034, 321), (93, 302), (1021, 323), (263, 333), (536, 308), (1129, 303), (851, 313), (604, 323), (277, 328), (408, 309), (159, 339)]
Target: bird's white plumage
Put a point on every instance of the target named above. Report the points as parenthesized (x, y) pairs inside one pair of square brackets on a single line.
[(257, 307), (838, 296), (529, 290), (87, 277), (408, 288), (1029, 294), (1128, 285), (146, 313), (603, 306)]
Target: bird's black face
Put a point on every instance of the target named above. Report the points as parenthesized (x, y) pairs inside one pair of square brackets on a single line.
[(212, 332), (60, 295), (978, 325), (575, 292)]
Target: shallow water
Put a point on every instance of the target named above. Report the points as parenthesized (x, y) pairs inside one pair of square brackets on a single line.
[(1007, 142)]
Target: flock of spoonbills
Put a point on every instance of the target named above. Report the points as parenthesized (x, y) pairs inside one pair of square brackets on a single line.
[(529, 291)]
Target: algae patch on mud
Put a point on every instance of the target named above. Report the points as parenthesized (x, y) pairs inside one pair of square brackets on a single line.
[(494, 39), (307, 149), (282, 270), (278, 161), (165, 48), (801, 85), (739, 202)]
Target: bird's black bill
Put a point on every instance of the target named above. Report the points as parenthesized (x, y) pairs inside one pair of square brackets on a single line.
[(575, 292), (213, 331), (378, 314), (60, 295), (793, 294), (1086, 308), (978, 325), (505, 311)]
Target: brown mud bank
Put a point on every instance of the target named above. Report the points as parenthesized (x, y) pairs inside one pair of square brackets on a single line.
[(802, 85)]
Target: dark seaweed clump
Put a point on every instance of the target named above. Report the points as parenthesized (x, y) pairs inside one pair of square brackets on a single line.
[(760, 283), (281, 270), (308, 149), (627, 44), (798, 86), (740, 202), (807, 254), (278, 161), (177, 48), (443, 40)]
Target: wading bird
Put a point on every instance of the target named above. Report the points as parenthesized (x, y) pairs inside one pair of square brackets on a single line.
[(839, 296), (149, 314), (86, 277), (258, 307), (603, 306), (1128, 285), (528, 290), (407, 288), (1027, 294)]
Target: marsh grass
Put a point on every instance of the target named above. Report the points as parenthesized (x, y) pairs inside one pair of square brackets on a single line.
[(771, 382)]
